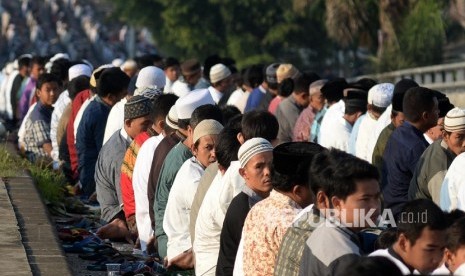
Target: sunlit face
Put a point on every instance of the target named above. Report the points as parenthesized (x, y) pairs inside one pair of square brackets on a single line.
[(172, 72), (455, 259), (398, 120), (204, 151), (435, 132), (455, 141), (317, 101), (138, 125), (365, 199), (48, 93), (257, 173), (37, 70), (427, 252)]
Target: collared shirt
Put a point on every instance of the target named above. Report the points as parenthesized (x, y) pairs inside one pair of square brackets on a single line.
[(315, 130), (287, 114), (430, 172), (140, 183), (22, 128), (127, 169), (303, 125), (59, 108), (255, 97), (264, 229), (383, 121), (233, 183), (115, 119), (330, 250), (216, 95), (403, 150), (340, 135), (453, 187), (173, 162), (333, 114), (354, 135), (37, 130), (108, 174), (396, 259), (292, 246), (362, 150), (428, 139), (208, 229), (178, 206)]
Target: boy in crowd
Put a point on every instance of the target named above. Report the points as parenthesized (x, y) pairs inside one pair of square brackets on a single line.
[(335, 244), (421, 237), (38, 143)]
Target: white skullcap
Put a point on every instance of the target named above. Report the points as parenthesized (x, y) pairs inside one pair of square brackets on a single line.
[(89, 64), (148, 92), (206, 127), (381, 94), (117, 62), (251, 148), (285, 71), (172, 118), (128, 64), (151, 76), (187, 104), (455, 120), (79, 70), (180, 88), (59, 56), (219, 72)]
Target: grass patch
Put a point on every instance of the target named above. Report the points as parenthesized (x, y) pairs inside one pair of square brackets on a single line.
[(50, 183)]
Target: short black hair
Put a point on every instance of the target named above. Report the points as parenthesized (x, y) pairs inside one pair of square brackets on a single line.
[(162, 105), (253, 76), (455, 236), (24, 61), (38, 60), (227, 147), (60, 68), (425, 213), (285, 182), (336, 173), (45, 78), (169, 62), (77, 85), (453, 216), (373, 266), (364, 84), (235, 123), (260, 124), (386, 238), (286, 87), (416, 101), (204, 112), (112, 81), (229, 111), (302, 82)]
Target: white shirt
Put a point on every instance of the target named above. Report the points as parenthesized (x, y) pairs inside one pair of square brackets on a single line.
[(453, 187), (139, 184), (232, 185), (59, 108), (242, 101), (208, 230), (365, 130), (180, 88), (115, 119), (78, 118), (384, 253), (6, 103), (168, 86), (383, 121), (428, 139), (216, 95), (235, 96), (340, 135), (22, 128), (239, 263), (176, 219), (333, 114)]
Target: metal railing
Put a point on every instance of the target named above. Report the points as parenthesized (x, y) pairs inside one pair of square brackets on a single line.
[(447, 78)]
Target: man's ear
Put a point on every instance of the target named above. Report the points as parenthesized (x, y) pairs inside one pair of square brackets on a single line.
[(127, 122), (240, 138), (243, 173), (336, 202), (190, 130), (321, 200), (37, 91), (403, 242)]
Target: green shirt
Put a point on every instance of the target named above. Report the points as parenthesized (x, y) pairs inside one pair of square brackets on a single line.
[(380, 146), (174, 160), (292, 246)]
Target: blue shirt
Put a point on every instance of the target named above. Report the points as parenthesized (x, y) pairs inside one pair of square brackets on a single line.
[(403, 150), (255, 98), (316, 125), (354, 134)]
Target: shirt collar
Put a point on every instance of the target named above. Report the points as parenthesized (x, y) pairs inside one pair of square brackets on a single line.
[(284, 199), (125, 135), (262, 89), (395, 255), (253, 196)]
